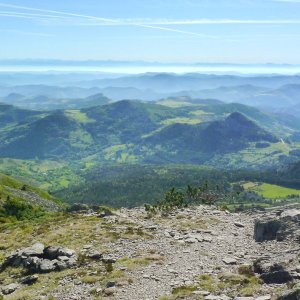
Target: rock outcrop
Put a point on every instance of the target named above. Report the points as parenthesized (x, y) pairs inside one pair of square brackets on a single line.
[(279, 226), (41, 259), (271, 272)]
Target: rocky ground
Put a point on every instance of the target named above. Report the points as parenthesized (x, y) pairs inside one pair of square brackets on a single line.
[(195, 253)]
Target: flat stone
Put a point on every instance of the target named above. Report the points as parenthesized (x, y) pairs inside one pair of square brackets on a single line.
[(172, 271), (238, 224), (266, 297), (35, 250), (212, 297), (229, 261)]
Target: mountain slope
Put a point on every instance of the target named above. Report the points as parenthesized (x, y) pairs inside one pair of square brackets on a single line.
[(232, 134), (10, 115), (134, 131), (23, 194), (46, 137)]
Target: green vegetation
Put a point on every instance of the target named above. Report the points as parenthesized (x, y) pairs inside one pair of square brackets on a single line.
[(234, 285), (272, 191), (137, 132), (134, 185), (79, 116), (20, 201), (128, 153), (174, 199), (180, 121), (16, 210)]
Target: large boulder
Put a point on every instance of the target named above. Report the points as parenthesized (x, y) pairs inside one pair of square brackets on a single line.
[(266, 230), (281, 226), (271, 272)]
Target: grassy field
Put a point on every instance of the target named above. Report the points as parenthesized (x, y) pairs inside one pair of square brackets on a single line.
[(191, 121), (272, 191), (79, 116)]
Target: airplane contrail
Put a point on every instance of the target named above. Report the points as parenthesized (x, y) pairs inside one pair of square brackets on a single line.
[(14, 13), (101, 19), (58, 12), (162, 22)]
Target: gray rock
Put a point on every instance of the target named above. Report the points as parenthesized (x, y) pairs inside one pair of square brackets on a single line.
[(46, 266), (65, 252), (108, 260), (265, 297), (191, 240), (38, 259), (266, 230), (229, 261), (292, 214), (212, 297), (290, 295), (35, 250), (238, 224), (51, 252), (94, 254), (29, 280), (61, 265), (109, 291), (9, 289), (271, 272)]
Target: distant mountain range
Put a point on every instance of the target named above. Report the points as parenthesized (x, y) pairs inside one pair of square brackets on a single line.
[(275, 93)]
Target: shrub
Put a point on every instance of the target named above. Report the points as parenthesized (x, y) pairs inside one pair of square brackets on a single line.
[(13, 208), (174, 199)]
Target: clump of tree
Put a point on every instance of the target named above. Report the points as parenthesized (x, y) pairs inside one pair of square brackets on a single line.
[(176, 199), (18, 210)]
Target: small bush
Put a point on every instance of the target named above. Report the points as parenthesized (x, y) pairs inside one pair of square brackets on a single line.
[(13, 208)]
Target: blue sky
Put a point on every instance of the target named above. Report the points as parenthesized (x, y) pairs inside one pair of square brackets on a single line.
[(240, 31)]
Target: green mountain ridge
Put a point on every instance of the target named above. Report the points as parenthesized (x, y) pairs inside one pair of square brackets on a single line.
[(174, 130)]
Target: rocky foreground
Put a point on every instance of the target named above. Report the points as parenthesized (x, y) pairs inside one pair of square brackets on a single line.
[(195, 253)]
